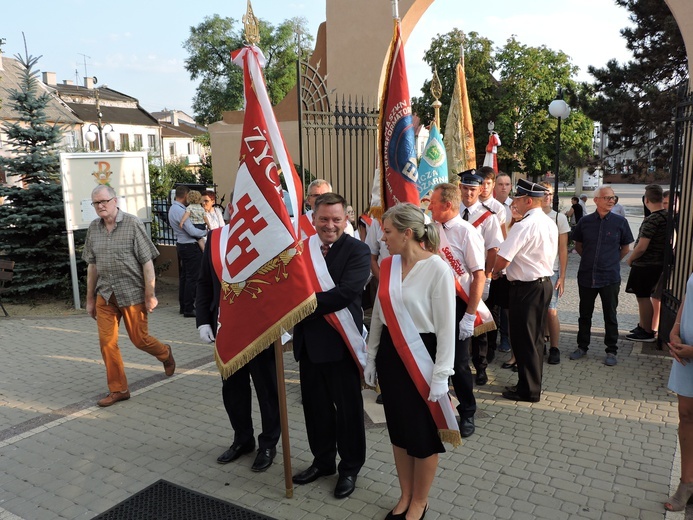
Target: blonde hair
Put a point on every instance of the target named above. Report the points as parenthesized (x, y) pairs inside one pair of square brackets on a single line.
[(405, 216), (193, 197)]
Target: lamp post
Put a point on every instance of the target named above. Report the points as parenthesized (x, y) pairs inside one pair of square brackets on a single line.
[(560, 110), (100, 128)]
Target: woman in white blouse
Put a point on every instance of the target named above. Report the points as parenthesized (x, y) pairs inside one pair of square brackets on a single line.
[(428, 295), (214, 215)]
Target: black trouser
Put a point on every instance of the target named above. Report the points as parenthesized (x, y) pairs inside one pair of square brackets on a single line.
[(462, 380), (333, 410), (480, 351), (529, 303), (190, 257), (237, 396), (609, 297)]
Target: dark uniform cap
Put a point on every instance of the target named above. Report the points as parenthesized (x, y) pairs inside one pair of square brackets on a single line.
[(530, 189), (470, 178)]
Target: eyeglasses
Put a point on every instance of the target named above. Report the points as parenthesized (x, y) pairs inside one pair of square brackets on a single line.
[(608, 198), (101, 202)]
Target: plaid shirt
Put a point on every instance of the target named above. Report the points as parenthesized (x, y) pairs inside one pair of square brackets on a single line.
[(119, 256)]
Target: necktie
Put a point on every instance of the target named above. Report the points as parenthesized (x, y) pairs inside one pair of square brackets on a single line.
[(325, 249), (465, 216)]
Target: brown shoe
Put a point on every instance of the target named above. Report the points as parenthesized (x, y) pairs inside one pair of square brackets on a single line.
[(113, 398), (170, 363)]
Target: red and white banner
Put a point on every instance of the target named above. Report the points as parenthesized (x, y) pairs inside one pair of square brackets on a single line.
[(258, 259), (342, 320), (484, 319), (411, 349), (397, 142)]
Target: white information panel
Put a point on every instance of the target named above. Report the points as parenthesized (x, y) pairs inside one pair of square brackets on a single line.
[(126, 172)]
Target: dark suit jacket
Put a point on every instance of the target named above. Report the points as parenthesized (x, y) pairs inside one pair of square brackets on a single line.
[(348, 263), (208, 289)]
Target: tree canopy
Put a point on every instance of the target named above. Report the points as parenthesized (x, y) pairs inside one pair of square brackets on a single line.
[(221, 87), (635, 101)]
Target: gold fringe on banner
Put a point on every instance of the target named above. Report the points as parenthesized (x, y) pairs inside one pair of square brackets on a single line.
[(304, 309), (484, 327), (451, 437)]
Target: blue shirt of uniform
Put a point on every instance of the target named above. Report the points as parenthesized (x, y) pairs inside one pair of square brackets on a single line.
[(189, 234), (602, 239)]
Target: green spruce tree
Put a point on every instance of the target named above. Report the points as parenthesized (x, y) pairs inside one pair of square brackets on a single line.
[(32, 220)]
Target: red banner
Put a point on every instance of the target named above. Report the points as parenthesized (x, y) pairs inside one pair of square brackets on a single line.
[(259, 261)]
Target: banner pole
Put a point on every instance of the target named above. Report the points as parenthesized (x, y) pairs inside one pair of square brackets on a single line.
[(283, 417)]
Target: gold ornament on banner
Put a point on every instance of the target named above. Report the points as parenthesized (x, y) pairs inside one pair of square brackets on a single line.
[(251, 26)]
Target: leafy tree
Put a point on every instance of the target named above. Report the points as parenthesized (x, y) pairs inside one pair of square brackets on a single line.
[(210, 45), (482, 87), (32, 221), (635, 101)]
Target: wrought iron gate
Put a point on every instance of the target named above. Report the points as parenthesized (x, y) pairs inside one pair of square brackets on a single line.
[(679, 258), (337, 141)]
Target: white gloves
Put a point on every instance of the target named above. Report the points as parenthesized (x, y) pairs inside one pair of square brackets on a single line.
[(369, 373), (467, 326), (487, 288), (439, 390), (206, 333)]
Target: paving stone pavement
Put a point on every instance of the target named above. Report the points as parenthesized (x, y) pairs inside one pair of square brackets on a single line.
[(601, 444)]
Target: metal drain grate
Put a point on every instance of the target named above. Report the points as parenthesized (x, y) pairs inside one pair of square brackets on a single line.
[(166, 501)]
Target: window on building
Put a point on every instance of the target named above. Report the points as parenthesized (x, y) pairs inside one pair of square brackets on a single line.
[(151, 142), (190, 148), (138, 141), (124, 142), (172, 149)]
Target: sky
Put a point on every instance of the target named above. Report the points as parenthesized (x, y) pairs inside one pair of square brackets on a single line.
[(136, 47)]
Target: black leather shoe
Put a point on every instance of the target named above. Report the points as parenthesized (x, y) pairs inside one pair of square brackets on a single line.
[(511, 388), (467, 427), (345, 486), (310, 475), (481, 377), (514, 396), (235, 451), (510, 366), (264, 459), (554, 356)]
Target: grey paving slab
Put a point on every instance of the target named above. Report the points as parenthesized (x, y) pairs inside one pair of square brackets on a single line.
[(601, 444)]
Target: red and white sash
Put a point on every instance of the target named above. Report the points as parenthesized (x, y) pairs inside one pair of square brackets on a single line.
[(480, 219), (411, 349), (305, 224), (342, 320), (484, 319)]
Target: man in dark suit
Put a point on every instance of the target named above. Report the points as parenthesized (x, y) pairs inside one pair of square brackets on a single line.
[(330, 377), (235, 390)]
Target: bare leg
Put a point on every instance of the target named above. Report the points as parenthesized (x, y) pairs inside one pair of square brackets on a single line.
[(686, 437), (656, 306), (424, 473), (554, 327), (405, 474), (645, 313)]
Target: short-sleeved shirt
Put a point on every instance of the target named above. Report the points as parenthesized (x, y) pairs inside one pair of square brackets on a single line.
[(466, 242), (531, 247), (119, 256), (601, 239), (563, 227), (498, 208), (653, 227), (374, 241), (197, 214), (489, 227)]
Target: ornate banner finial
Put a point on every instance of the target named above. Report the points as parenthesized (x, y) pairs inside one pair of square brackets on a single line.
[(436, 92), (251, 26)]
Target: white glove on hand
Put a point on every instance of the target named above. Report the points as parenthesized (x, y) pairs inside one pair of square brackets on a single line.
[(438, 390), (467, 326), (369, 373), (487, 288), (206, 333)]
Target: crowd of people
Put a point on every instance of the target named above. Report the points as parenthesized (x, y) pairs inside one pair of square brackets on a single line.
[(442, 287)]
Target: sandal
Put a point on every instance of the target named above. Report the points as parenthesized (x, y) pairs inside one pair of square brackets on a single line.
[(678, 501)]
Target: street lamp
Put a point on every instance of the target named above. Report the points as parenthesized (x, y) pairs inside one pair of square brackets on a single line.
[(560, 110), (90, 135)]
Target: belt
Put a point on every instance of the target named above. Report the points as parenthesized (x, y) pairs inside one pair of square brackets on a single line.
[(538, 280)]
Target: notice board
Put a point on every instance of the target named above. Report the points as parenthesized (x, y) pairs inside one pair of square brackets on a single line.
[(126, 172)]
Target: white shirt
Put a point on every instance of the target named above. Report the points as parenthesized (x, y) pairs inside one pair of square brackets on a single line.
[(619, 210), (215, 218), (466, 242), (489, 228), (563, 227), (584, 206), (508, 212), (374, 241), (498, 208), (428, 292), (531, 247)]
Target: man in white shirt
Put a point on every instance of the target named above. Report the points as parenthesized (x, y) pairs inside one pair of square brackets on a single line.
[(583, 203), (502, 194), (618, 208), (466, 245), (559, 268), (483, 218), (527, 256)]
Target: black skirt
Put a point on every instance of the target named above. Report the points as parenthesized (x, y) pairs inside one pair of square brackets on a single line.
[(409, 421)]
